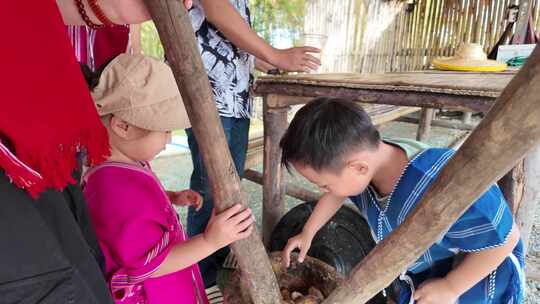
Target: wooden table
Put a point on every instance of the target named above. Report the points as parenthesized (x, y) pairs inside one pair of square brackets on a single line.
[(431, 89)]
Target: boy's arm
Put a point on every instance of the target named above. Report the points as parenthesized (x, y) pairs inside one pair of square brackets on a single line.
[(223, 15), (325, 209), (474, 267)]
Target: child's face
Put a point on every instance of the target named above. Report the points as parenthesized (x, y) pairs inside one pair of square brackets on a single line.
[(135, 143), (349, 181), (148, 146)]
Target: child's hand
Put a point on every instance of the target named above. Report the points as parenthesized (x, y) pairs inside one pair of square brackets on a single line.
[(296, 59), (301, 241), (187, 198), (229, 226), (436, 291)]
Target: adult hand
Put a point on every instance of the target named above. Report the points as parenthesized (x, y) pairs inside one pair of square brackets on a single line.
[(229, 226), (300, 241), (296, 59)]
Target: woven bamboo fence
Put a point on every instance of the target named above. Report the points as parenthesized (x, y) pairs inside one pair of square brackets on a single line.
[(386, 36)]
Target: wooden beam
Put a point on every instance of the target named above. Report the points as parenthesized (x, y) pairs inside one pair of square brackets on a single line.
[(424, 128), (388, 116), (176, 33), (506, 134), (531, 196), (290, 189), (458, 125), (275, 124), (302, 92)]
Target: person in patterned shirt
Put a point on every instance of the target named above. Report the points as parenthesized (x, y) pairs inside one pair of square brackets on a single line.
[(230, 51)]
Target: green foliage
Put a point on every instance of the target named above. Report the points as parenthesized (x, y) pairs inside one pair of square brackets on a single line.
[(267, 17), (150, 43), (270, 15)]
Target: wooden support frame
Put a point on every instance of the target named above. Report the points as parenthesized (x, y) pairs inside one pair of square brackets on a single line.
[(176, 33), (377, 96), (424, 128), (290, 189), (275, 124), (506, 134), (531, 195), (458, 125), (466, 117)]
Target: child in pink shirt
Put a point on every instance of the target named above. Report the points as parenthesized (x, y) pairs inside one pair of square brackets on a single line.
[(148, 257)]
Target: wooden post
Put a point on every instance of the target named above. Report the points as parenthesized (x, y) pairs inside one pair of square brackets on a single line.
[(506, 134), (178, 39), (425, 124), (531, 195), (520, 31), (512, 186), (275, 124), (467, 117)]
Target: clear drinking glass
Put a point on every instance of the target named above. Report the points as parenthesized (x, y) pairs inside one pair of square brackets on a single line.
[(314, 40)]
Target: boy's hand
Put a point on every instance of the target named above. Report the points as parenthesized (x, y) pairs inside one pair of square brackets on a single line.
[(187, 198), (296, 59), (301, 241), (436, 291), (229, 226)]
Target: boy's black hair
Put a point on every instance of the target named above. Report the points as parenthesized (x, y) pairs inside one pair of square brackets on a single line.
[(324, 130)]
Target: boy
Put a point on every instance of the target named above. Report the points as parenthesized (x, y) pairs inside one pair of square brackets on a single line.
[(230, 50), (333, 144)]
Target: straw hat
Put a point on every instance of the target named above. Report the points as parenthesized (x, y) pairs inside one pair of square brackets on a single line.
[(469, 57)]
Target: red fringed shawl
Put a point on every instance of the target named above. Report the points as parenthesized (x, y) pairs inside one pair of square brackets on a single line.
[(46, 111)]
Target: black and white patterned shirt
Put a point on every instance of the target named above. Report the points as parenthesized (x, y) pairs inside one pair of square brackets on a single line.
[(229, 68)]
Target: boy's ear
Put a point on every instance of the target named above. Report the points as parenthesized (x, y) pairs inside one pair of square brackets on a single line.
[(359, 166), (119, 127)]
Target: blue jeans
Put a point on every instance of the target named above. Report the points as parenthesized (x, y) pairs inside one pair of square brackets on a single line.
[(236, 133)]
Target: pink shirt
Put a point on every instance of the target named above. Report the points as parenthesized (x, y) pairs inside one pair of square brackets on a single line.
[(136, 227)]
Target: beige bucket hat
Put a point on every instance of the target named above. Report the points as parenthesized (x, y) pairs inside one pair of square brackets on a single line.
[(469, 57), (142, 91)]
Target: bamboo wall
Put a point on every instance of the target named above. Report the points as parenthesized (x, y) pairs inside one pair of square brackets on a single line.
[(381, 36)]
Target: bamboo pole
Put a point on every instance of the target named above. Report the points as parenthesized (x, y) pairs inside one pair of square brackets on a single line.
[(176, 33), (506, 134)]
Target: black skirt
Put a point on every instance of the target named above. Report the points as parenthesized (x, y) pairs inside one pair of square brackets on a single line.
[(48, 249)]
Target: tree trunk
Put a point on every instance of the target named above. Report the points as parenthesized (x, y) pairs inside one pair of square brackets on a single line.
[(178, 39), (506, 134)]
